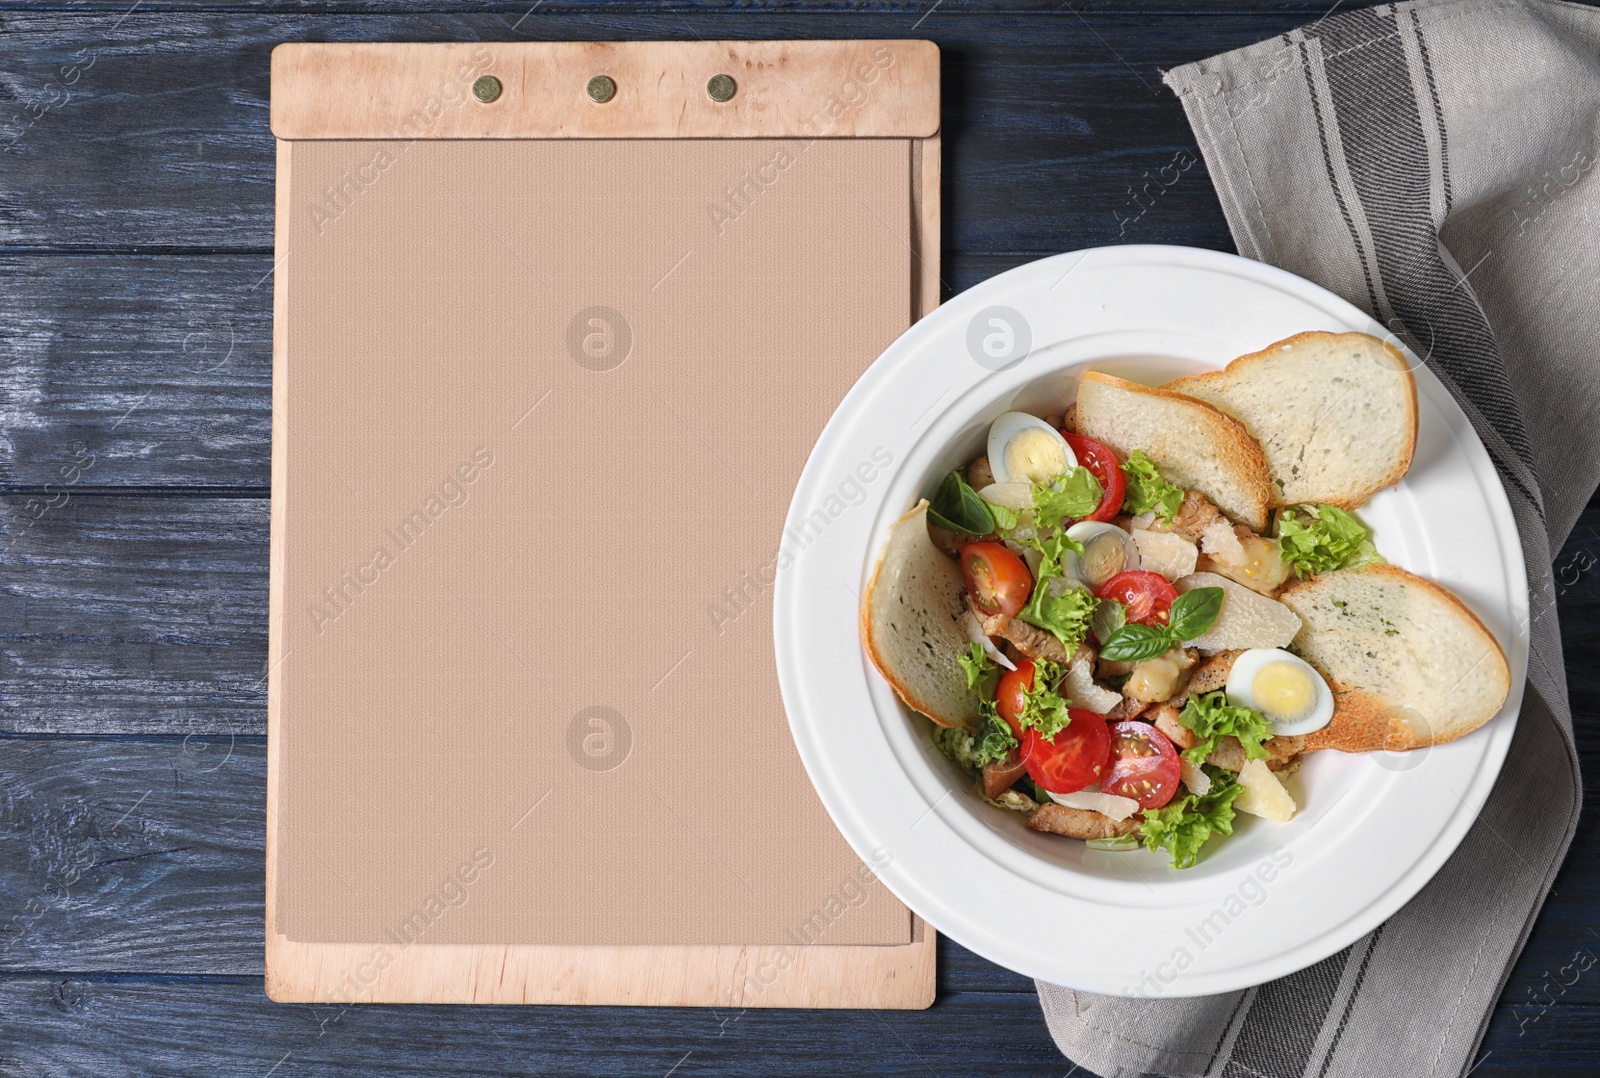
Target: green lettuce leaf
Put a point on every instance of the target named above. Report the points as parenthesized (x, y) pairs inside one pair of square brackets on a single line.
[(1147, 492), (1044, 709), (1212, 718), (970, 751), (1066, 616), (1070, 495), (1005, 520), (1321, 538), (983, 673), (1186, 823)]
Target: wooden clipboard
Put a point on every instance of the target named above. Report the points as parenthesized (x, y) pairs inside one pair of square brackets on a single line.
[(518, 444)]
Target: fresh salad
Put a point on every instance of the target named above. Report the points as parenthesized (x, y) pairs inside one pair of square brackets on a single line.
[(1091, 584)]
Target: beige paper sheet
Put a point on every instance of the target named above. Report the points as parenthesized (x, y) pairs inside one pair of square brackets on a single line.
[(538, 456)]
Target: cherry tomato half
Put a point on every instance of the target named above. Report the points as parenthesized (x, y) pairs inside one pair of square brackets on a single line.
[(997, 580), (1147, 595), (1009, 694), (1104, 465), (1144, 765), (1072, 759)]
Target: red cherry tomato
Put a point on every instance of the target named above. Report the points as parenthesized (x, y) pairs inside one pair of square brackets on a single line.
[(1073, 759), (997, 580), (1144, 765), (1009, 695), (1104, 465), (1147, 595)]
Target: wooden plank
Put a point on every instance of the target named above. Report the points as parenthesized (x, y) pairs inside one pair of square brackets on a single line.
[(1057, 139), (161, 367), (146, 855), (908, 10), (142, 615), (138, 615), (53, 1025), (658, 89), (155, 368)]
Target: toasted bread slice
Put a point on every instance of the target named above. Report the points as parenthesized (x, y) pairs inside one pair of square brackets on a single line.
[(911, 623), (1408, 663), (1335, 413), (1192, 443)]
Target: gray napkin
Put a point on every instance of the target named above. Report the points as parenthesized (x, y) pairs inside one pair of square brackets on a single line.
[(1433, 163)]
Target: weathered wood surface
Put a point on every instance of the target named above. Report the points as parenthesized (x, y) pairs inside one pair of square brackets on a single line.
[(135, 278), (163, 142)]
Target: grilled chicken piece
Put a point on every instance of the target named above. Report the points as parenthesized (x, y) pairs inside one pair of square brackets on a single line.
[(998, 777), (1210, 675), (1128, 709), (1230, 754), (979, 474), (1079, 823), (1030, 640), (1165, 718), (1195, 515)]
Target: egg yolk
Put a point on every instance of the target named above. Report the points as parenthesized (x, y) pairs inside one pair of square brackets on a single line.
[(1283, 692), (1033, 455)]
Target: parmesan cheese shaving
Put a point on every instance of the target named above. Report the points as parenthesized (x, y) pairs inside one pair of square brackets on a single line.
[(1118, 808)]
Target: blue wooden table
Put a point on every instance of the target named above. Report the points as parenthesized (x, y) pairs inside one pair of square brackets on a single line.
[(136, 174)]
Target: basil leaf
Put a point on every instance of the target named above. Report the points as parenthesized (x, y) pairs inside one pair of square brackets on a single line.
[(1109, 616), (1135, 643), (956, 507), (1193, 612)]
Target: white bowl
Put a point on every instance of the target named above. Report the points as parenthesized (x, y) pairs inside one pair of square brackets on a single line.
[(1271, 899)]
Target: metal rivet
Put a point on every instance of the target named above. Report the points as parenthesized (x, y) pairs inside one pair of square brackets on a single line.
[(721, 87), (486, 89), (602, 89)]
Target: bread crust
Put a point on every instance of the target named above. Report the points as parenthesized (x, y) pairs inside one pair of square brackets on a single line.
[(1400, 363), (1363, 721), (1246, 452), (898, 684)]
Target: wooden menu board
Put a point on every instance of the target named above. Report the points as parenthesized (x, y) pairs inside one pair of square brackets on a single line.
[(555, 327)]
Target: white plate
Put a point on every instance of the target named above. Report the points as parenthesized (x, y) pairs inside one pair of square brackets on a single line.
[(1273, 898)]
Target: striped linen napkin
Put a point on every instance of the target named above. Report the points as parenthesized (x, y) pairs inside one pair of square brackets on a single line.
[(1433, 163)]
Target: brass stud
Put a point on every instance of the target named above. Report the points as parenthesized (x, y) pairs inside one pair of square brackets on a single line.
[(721, 87), (602, 89), (486, 88)]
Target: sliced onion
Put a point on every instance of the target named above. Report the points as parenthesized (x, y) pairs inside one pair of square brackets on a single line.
[(1032, 557), (1081, 689), (1141, 522), (1017, 496), (975, 633), (1194, 777)]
